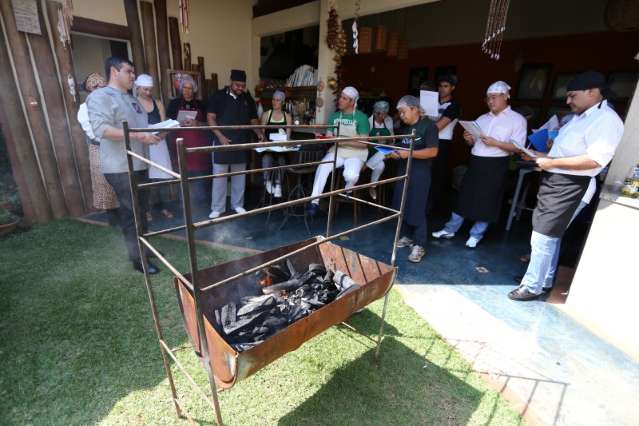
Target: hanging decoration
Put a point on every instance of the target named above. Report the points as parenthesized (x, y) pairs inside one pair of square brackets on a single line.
[(495, 28), (65, 21), (354, 28), (336, 41), (184, 7)]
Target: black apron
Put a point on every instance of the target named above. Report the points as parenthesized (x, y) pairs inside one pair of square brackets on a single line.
[(557, 200), (236, 112), (417, 193), (483, 188)]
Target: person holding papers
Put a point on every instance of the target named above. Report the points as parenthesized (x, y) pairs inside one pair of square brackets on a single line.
[(275, 116), (381, 124), (159, 153), (492, 137), (449, 113), (414, 226), (108, 108), (191, 112), (583, 147), (350, 155)]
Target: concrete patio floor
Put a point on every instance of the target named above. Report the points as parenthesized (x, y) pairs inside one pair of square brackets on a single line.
[(550, 367)]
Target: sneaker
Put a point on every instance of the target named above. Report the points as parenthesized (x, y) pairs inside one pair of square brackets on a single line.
[(372, 191), (472, 242), (277, 191), (312, 209), (239, 210), (443, 234), (214, 214), (268, 185), (416, 254), (404, 242)]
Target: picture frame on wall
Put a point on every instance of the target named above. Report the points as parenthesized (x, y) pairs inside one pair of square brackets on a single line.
[(174, 77), (559, 85), (621, 84), (533, 81), (416, 77)]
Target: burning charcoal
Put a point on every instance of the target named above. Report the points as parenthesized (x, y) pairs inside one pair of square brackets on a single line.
[(244, 322), (271, 275), (254, 304)]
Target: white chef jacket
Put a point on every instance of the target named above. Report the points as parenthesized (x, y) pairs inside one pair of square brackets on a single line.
[(595, 132), (506, 126)]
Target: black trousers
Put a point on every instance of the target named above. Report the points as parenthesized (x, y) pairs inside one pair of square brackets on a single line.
[(126, 220), (440, 184)]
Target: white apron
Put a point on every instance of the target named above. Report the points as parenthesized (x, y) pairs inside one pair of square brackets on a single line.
[(349, 131), (159, 153)]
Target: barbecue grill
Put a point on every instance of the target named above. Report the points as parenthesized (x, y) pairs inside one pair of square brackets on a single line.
[(202, 290)]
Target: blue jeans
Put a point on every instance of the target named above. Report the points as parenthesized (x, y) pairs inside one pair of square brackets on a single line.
[(544, 258), (456, 221)]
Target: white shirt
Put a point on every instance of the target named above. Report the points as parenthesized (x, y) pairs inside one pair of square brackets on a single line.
[(595, 132), (506, 126), (83, 119), (388, 123)]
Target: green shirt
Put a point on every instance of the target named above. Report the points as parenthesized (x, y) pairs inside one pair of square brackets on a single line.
[(358, 118)]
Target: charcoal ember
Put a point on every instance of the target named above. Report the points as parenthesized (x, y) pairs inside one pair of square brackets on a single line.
[(254, 304)]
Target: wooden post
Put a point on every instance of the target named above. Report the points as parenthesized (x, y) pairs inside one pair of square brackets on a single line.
[(72, 103), (133, 21), (150, 52), (24, 164), (176, 43), (35, 114), (55, 111), (163, 47)]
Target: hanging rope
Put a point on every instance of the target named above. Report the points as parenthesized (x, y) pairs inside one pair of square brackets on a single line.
[(495, 28), (184, 7), (354, 28)]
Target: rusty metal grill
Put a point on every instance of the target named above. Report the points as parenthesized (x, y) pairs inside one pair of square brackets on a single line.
[(202, 290)]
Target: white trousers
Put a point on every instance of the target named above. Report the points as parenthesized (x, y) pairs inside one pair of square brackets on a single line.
[(352, 167), (376, 164)]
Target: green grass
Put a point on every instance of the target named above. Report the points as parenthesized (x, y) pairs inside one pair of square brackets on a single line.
[(77, 346)]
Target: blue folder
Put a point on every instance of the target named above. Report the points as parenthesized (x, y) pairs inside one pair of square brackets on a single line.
[(385, 149), (539, 140)]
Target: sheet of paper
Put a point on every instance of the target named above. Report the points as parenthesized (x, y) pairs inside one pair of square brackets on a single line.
[(472, 128), (165, 125), (278, 149), (523, 149), (429, 102), (551, 124), (277, 137), (447, 132), (184, 115)]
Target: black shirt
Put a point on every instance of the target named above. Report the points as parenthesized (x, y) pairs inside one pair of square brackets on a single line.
[(450, 109)]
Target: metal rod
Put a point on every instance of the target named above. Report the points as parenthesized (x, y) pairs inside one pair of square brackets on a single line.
[(189, 378), (137, 217), (321, 240), (236, 126), (331, 202), (196, 178), (166, 263), (359, 200), (151, 163), (190, 240), (285, 204), (246, 146), (409, 164), (164, 231)]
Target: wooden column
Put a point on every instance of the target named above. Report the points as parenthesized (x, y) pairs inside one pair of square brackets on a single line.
[(163, 47), (150, 52), (133, 21), (35, 114), (24, 164), (55, 110), (176, 43), (72, 103)]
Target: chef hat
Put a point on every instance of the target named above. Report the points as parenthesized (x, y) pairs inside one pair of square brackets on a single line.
[(351, 92), (144, 80), (409, 101), (93, 81), (499, 87), (381, 106), (278, 94)]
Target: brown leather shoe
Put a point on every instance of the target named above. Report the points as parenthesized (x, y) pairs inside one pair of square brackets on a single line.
[(522, 294)]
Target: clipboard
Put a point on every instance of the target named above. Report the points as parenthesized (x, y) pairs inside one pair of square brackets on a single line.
[(472, 128)]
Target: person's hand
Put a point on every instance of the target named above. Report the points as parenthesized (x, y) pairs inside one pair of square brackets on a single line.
[(525, 156), (224, 140), (488, 141), (260, 137), (469, 138), (394, 155), (148, 138), (544, 163), (189, 122)]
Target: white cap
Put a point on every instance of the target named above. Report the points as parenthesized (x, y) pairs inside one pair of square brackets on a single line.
[(351, 92), (144, 80), (499, 87)]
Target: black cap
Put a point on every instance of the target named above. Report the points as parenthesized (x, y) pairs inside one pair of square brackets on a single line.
[(448, 78), (587, 80), (238, 75)]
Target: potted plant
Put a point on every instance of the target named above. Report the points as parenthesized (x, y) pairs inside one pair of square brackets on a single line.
[(8, 221)]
